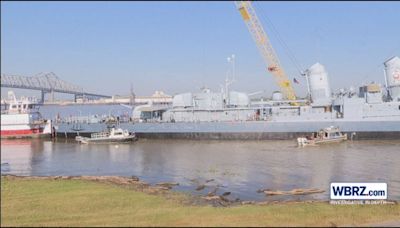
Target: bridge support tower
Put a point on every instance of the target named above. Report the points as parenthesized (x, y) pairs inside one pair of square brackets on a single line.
[(42, 93)]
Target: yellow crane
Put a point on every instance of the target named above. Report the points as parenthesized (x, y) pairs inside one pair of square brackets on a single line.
[(264, 46)]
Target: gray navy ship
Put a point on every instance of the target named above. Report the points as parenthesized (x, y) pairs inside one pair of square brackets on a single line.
[(371, 111)]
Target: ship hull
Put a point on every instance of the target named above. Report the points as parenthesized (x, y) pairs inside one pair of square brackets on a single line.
[(87, 140), (22, 125), (26, 136), (255, 130), (261, 136)]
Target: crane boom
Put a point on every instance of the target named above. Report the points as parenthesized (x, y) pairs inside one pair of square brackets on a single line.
[(264, 46)]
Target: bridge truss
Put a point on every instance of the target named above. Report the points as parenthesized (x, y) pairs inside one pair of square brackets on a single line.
[(46, 83)]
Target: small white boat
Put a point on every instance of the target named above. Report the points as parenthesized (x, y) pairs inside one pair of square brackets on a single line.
[(326, 135), (109, 136)]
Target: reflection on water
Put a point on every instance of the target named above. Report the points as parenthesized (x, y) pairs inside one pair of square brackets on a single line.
[(241, 167)]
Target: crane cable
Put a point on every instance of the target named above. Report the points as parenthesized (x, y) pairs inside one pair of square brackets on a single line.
[(289, 53)]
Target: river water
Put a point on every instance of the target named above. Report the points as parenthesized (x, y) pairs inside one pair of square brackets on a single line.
[(241, 167)]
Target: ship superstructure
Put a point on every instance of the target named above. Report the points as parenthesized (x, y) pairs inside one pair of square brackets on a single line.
[(371, 101)]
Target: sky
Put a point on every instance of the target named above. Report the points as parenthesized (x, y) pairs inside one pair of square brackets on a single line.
[(182, 46)]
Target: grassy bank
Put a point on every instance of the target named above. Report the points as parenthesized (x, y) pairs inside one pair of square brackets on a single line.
[(83, 203)]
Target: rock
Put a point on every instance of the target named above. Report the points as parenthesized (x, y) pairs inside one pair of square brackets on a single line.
[(200, 187), (224, 199), (247, 202), (270, 193), (88, 178), (118, 180), (213, 192), (162, 188), (308, 191), (196, 181), (143, 183), (298, 191), (167, 184), (224, 204), (74, 177), (211, 198), (262, 203), (151, 190), (134, 178), (208, 181), (262, 190), (226, 193), (155, 190), (66, 177), (110, 179)]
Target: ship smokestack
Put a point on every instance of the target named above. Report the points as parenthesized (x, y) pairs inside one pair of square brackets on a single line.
[(392, 74), (320, 90)]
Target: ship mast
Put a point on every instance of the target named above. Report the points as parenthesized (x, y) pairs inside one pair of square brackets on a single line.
[(231, 59)]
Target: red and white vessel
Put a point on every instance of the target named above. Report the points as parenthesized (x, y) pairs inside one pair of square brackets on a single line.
[(22, 119)]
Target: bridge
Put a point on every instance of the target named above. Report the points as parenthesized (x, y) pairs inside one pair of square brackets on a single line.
[(47, 83)]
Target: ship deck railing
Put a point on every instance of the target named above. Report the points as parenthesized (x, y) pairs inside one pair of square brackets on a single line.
[(90, 119)]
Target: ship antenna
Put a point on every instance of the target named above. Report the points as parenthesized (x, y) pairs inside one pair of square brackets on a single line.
[(305, 74), (233, 68), (386, 84), (231, 59)]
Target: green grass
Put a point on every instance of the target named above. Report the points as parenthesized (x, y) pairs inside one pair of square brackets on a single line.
[(82, 203)]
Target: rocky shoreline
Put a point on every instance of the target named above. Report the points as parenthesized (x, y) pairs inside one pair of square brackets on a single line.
[(164, 189)]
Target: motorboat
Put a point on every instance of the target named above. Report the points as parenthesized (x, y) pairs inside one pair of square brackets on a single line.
[(327, 135), (109, 136)]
